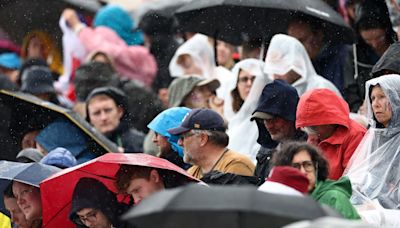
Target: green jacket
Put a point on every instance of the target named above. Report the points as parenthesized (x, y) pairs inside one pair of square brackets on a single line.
[(336, 194)]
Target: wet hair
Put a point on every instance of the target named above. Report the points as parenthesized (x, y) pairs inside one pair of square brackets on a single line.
[(128, 172), (237, 101), (8, 193), (285, 156), (370, 23)]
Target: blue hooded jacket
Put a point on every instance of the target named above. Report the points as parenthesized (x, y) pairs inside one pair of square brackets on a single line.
[(168, 119), (117, 19), (62, 133)]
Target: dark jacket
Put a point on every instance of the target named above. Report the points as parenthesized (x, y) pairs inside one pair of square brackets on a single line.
[(369, 11), (279, 99), (389, 62), (128, 138), (264, 156), (91, 193), (330, 63), (161, 28), (124, 136)]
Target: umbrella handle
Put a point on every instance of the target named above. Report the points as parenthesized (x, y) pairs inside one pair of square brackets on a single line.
[(215, 48), (355, 61)]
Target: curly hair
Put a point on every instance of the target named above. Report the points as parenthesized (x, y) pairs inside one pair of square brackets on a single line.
[(288, 150)]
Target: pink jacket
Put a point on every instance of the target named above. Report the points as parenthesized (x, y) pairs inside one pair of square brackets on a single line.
[(132, 62)]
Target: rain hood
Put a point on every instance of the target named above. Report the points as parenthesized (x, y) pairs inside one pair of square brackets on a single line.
[(286, 53), (168, 119), (374, 169)]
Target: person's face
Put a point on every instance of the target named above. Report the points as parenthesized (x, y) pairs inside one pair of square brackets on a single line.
[(245, 81), (381, 106), (190, 143), (322, 132), (28, 141), (35, 48), (224, 53), (28, 200), (17, 216), (198, 98), (302, 160), (162, 143), (93, 218), (188, 65), (104, 113), (290, 77), (279, 128), (141, 188), (376, 38), (302, 31)]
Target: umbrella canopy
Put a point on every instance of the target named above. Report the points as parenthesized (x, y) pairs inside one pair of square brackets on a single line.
[(57, 190), (22, 113), (39, 14), (234, 207), (235, 21), (27, 173)]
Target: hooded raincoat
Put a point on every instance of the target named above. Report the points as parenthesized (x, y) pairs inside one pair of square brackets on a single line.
[(91, 193), (168, 119), (286, 53), (323, 107), (202, 54), (129, 138), (279, 99), (336, 194), (113, 35), (389, 62), (242, 132), (374, 169)]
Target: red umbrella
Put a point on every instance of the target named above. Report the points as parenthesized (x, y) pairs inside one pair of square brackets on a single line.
[(57, 190)]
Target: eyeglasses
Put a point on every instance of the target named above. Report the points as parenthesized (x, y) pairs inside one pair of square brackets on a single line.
[(307, 165), (246, 79), (89, 217), (186, 135)]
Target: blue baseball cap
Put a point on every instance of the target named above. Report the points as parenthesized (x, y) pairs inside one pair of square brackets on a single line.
[(200, 119)]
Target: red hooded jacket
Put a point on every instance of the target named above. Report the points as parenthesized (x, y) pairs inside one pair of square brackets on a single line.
[(322, 107)]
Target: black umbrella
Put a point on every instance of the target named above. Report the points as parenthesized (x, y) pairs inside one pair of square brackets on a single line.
[(234, 207), (235, 21), (27, 173), (22, 113), (18, 17)]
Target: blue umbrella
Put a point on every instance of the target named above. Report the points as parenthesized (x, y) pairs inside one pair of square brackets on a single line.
[(27, 173)]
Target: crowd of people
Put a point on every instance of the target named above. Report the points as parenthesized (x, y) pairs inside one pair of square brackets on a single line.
[(312, 117)]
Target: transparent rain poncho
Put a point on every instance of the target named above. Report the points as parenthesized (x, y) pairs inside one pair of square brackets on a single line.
[(242, 132), (374, 169), (202, 54), (286, 53)]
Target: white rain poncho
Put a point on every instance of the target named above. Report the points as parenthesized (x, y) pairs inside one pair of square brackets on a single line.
[(242, 132), (201, 51), (374, 169), (286, 53)]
